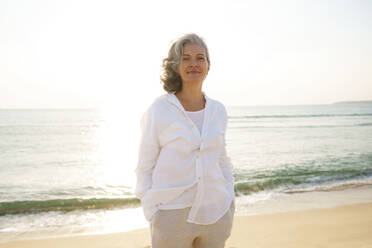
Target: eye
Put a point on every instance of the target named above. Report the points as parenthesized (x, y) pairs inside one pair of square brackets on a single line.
[(185, 58), (201, 58)]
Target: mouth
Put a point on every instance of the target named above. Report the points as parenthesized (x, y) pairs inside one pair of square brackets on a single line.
[(193, 72)]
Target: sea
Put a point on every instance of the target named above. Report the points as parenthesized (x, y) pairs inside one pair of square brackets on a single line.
[(70, 172)]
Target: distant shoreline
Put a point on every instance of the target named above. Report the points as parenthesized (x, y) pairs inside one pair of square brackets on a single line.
[(352, 102)]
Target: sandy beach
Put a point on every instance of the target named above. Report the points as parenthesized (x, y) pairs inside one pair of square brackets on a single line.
[(343, 226)]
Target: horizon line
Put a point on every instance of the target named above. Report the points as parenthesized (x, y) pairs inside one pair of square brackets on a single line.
[(248, 105)]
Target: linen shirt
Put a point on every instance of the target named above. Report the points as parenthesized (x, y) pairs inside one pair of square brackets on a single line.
[(174, 158)]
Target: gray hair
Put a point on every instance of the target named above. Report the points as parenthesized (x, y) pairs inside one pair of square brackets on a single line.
[(170, 77)]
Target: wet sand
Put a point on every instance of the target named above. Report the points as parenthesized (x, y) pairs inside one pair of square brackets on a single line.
[(343, 226)]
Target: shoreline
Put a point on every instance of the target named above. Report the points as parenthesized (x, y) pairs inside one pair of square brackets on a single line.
[(342, 226), (128, 220), (260, 203)]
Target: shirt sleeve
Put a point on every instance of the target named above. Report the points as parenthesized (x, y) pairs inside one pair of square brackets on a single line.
[(226, 167), (148, 154), (225, 161)]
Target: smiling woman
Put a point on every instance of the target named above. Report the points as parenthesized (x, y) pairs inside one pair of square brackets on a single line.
[(185, 57), (182, 158)]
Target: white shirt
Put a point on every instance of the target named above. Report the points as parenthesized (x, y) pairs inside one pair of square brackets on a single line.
[(175, 158), (187, 198)]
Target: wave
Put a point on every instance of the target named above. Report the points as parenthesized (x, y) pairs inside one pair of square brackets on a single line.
[(327, 188), (297, 116), (297, 179), (365, 124), (246, 188), (28, 207)]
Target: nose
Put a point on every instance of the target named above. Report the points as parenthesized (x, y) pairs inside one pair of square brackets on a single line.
[(193, 62)]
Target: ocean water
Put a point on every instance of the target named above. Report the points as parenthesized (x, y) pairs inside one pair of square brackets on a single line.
[(66, 172)]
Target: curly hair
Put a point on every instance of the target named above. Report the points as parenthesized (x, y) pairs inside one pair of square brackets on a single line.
[(172, 82)]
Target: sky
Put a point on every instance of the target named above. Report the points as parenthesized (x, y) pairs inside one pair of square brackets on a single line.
[(108, 54)]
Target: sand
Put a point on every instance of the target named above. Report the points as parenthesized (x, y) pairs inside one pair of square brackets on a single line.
[(345, 226)]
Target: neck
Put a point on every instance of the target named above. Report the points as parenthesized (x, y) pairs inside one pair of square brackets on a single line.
[(191, 98)]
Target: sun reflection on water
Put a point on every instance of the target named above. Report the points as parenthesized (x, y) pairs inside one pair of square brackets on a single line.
[(117, 151)]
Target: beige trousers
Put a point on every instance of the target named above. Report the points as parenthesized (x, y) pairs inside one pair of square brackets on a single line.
[(169, 229)]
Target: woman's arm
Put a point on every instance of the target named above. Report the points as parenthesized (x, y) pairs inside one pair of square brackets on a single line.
[(226, 167), (148, 153), (224, 160)]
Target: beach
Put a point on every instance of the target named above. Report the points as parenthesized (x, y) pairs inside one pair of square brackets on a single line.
[(342, 226)]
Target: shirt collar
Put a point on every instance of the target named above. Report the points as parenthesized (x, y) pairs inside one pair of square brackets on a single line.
[(173, 99)]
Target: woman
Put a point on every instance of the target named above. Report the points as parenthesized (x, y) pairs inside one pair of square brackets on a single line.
[(184, 177)]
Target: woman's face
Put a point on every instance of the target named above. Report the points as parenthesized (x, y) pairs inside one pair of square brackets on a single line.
[(193, 67)]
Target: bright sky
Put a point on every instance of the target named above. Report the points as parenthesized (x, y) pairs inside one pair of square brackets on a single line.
[(84, 53)]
